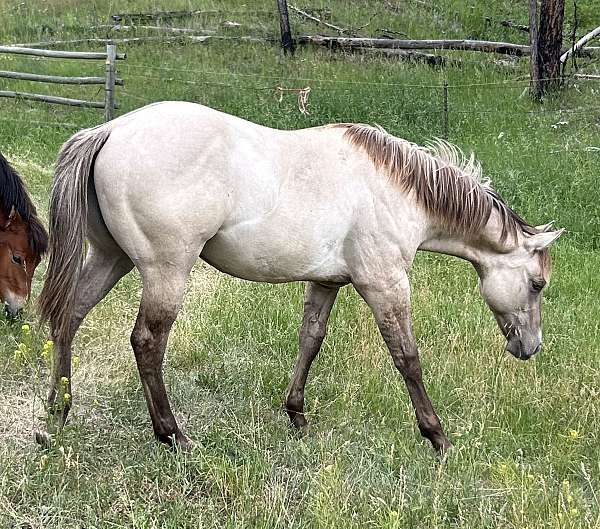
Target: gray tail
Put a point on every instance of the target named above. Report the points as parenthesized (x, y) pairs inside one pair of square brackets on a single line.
[(68, 227)]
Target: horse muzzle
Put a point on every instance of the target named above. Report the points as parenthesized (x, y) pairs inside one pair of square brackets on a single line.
[(13, 305), (516, 348)]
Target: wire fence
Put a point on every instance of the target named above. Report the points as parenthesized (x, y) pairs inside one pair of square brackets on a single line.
[(439, 105)]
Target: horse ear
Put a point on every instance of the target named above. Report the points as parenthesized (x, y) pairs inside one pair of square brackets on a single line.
[(539, 241), (13, 217), (544, 227)]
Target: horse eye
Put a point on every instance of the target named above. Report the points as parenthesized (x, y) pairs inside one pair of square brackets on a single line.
[(17, 259), (537, 285)]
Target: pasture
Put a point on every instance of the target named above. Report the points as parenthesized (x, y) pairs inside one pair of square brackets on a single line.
[(527, 447)]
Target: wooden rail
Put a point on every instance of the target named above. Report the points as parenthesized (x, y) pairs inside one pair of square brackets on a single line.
[(110, 79), (58, 54), (52, 99), (58, 79)]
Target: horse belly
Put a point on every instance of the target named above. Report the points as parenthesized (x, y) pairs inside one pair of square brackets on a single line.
[(275, 256)]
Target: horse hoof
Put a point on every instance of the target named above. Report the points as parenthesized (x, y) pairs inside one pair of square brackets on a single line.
[(44, 439), (184, 444), (300, 424), (444, 449), (179, 442)]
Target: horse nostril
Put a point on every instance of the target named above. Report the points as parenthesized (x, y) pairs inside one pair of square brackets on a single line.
[(538, 348), (11, 315)]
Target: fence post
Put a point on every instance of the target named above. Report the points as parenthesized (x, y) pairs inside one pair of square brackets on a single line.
[(445, 110), (287, 42), (109, 86)]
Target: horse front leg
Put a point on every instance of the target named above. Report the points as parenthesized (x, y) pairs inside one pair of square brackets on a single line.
[(390, 303), (318, 301)]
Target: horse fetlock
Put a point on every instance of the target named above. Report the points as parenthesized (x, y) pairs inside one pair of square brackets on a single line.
[(436, 436), (295, 400), (294, 406)]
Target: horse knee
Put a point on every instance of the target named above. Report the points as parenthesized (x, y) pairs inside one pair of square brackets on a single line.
[(313, 330)]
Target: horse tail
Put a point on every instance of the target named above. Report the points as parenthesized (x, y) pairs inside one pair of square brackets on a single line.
[(68, 227)]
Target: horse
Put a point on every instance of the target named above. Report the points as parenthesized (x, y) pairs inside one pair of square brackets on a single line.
[(334, 205), (23, 240)]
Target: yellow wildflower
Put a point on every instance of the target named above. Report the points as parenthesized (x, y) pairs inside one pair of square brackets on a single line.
[(75, 362), (67, 397), (574, 435), (25, 328), (64, 381)]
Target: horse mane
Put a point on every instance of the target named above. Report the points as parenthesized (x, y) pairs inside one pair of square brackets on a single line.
[(448, 184), (14, 193)]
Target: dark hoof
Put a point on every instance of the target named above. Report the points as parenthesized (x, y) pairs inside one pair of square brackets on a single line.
[(184, 444), (177, 441), (44, 439), (444, 448), (298, 421)]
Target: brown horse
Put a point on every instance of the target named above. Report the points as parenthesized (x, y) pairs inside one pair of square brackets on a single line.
[(23, 239)]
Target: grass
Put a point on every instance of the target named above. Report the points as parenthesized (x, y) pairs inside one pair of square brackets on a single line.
[(526, 434)]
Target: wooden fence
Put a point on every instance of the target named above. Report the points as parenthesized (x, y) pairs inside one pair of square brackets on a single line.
[(110, 79)]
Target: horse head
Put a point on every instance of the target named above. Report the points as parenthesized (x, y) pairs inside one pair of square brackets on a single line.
[(18, 261), (23, 240)]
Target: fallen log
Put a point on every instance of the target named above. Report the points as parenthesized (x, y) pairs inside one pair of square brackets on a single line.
[(385, 33), (580, 43), (514, 25), (505, 48), (161, 15), (408, 55), (509, 24), (120, 27)]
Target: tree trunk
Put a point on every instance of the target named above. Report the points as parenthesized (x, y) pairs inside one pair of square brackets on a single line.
[(546, 43), (550, 37), (535, 85)]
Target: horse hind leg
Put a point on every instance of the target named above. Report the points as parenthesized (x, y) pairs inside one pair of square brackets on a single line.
[(163, 290), (103, 267)]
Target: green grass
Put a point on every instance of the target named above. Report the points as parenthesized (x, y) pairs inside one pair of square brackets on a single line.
[(526, 434)]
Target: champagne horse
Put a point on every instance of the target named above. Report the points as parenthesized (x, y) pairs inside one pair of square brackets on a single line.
[(173, 182), (23, 240)]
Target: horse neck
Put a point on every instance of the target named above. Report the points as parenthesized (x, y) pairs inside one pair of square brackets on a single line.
[(479, 249)]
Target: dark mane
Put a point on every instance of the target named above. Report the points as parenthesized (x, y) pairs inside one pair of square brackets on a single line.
[(446, 182), (14, 193)]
